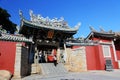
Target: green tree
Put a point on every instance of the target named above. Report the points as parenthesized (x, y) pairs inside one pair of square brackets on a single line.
[(8, 25)]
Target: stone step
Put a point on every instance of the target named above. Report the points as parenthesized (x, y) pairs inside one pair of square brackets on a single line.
[(50, 68)]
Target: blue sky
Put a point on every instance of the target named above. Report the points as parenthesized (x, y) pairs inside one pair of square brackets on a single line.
[(104, 13)]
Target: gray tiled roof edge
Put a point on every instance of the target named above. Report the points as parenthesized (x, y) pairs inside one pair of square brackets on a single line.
[(17, 38)]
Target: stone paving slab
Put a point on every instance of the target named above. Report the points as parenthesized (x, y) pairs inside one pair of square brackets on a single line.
[(90, 75)]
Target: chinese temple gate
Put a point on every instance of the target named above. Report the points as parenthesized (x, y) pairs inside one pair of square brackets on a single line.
[(48, 35)]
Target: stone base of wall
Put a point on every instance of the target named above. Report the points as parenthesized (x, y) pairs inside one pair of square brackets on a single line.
[(35, 69), (5, 75), (68, 67), (17, 75), (76, 60)]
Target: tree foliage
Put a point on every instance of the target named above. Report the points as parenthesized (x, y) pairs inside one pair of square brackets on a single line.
[(8, 25)]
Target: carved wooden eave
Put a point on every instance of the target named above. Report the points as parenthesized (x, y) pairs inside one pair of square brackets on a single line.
[(47, 42)]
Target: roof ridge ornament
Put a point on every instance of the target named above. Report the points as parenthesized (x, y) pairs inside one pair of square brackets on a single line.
[(21, 14), (78, 25), (101, 29), (92, 29), (38, 19), (110, 31)]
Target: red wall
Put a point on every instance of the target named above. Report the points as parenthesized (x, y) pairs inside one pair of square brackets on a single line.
[(100, 58), (118, 54), (75, 47), (91, 58), (104, 40), (99, 52), (7, 55), (94, 57), (117, 46)]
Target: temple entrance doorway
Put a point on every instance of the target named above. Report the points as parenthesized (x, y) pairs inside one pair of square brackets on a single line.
[(47, 53)]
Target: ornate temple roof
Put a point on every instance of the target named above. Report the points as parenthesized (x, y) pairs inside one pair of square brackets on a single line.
[(16, 38), (101, 33), (39, 22)]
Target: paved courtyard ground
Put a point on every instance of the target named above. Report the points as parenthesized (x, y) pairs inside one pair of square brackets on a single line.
[(90, 75)]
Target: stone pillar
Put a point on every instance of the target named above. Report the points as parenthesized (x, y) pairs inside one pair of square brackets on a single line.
[(58, 54), (114, 51), (68, 52), (36, 57), (17, 69), (35, 65), (119, 64), (65, 54)]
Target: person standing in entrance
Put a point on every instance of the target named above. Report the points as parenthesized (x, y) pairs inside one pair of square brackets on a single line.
[(40, 57), (55, 60)]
